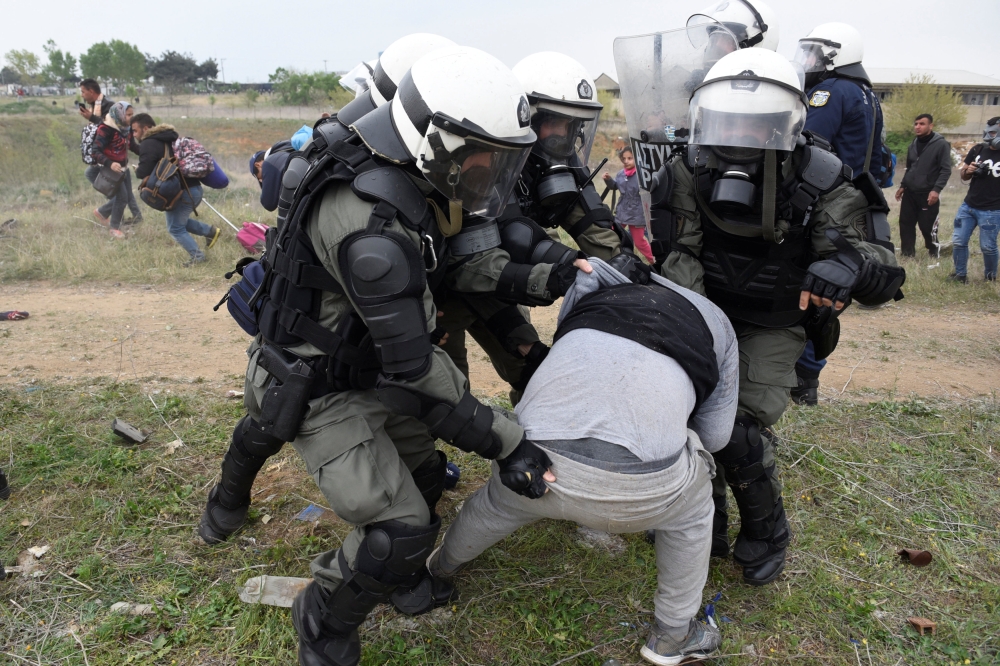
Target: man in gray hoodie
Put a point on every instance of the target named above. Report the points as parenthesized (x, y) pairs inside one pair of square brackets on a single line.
[(928, 168)]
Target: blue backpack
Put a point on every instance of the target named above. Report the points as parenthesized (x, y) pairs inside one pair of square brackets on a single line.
[(240, 297)]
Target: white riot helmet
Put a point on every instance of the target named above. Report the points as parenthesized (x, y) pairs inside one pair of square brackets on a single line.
[(460, 115), (383, 78), (564, 106), (829, 48), (752, 22), (751, 100)]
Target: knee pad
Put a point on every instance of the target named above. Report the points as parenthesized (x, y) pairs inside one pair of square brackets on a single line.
[(742, 459), (393, 551), (429, 478)]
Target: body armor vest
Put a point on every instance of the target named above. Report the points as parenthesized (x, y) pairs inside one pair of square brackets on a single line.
[(289, 299), (752, 279)]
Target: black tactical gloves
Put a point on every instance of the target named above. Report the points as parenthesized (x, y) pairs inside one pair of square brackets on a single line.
[(631, 267), (849, 273), (522, 470), (561, 279)]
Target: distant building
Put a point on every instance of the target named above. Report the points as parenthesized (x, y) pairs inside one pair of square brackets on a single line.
[(980, 94), (605, 82)]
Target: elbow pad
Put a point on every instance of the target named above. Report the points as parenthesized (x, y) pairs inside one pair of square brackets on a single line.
[(386, 279), (527, 243), (467, 425)]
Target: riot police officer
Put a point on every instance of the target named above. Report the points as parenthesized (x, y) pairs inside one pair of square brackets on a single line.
[(554, 191), (229, 501), (767, 224), (844, 111), (344, 365)]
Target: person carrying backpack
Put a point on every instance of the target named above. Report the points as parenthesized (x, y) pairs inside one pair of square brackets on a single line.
[(155, 142), (94, 108), (110, 149)]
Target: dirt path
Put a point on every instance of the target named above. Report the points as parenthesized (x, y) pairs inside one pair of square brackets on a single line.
[(170, 333)]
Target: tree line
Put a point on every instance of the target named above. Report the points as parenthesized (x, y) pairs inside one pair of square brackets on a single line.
[(124, 65)]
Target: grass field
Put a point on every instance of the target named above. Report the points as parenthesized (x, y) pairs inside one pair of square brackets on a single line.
[(862, 480)]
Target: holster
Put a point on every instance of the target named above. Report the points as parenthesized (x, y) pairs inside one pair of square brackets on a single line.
[(287, 394)]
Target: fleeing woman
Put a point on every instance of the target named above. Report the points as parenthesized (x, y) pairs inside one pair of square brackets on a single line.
[(629, 211), (110, 149)]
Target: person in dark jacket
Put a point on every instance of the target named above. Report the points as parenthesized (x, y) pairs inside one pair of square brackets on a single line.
[(94, 108), (844, 111), (110, 148), (928, 168), (629, 212), (155, 142)]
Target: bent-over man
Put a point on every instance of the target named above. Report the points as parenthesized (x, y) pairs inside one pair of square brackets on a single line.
[(623, 466)]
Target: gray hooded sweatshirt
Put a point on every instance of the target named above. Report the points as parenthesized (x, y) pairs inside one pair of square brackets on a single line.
[(931, 169)]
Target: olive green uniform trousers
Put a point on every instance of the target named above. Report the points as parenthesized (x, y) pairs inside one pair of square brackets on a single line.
[(767, 375)]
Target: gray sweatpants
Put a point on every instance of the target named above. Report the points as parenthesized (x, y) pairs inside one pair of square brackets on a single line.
[(676, 502)]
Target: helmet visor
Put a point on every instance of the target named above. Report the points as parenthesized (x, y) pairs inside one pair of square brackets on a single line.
[(564, 137), (735, 16), (814, 56), (747, 113), (477, 172)]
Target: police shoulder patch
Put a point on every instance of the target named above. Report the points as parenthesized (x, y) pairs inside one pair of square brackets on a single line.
[(819, 98)]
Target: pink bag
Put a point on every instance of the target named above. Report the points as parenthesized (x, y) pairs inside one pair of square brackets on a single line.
[(251, 236)]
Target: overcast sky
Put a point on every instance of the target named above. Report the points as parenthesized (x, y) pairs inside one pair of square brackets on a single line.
[(257, 36)]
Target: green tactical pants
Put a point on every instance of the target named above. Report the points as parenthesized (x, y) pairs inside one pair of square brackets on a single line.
[(361, 457), (459, 318), (767, 375)]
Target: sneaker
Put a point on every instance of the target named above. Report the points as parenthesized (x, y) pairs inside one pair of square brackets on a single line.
[(991, 277), (118, 234), (132, 221), (101, 220), (194, 260), (700, 642), (210, 240), (958, 278)]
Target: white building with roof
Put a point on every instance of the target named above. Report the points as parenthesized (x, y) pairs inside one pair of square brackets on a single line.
[(980, 94)]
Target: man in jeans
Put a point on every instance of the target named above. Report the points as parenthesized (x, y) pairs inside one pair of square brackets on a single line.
[(928, 168), (94, 109), (612, 467), (981, 206), (155, 141)]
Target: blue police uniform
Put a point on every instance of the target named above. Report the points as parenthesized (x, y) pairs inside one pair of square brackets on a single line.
[(840, 110)]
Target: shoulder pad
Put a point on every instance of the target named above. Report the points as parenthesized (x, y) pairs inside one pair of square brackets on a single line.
[(394, 187), (331, 131), (820, 168), (295, 170)]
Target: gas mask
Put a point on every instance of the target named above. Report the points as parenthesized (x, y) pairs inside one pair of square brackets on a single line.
[(564, 142), (991, 135), (735, 191)]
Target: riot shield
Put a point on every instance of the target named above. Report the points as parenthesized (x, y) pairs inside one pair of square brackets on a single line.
[(657, 74)]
